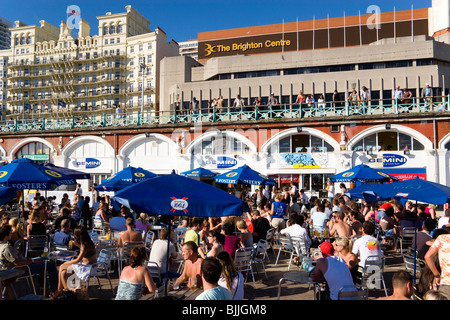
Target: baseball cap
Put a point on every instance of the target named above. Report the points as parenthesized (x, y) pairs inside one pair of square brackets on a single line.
[(385, 206), (326, 248)]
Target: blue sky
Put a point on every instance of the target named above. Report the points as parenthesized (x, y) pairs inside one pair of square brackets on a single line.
[(184, 19)]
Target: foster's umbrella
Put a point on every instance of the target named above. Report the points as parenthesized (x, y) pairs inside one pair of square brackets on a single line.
[(362, 173), (177, 195), (69, 172), (124, 178), (7, 194), (25, 174), (245, 175), (199, 173)]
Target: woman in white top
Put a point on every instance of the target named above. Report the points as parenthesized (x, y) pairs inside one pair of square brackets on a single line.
[(231, 278)]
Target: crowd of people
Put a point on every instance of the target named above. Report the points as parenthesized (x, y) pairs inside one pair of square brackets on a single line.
[(356, 98), (341, 232)]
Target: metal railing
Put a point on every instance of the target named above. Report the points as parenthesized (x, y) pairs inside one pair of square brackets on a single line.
[(72, 119)]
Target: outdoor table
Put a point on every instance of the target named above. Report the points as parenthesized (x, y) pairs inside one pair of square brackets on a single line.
[(156, 229), (8, 276), (301, 277), (182, 293), (56, 255)]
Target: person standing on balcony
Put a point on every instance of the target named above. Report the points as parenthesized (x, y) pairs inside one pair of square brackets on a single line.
[(194, 106), (353, 98), (364, 98), (426, 95), (238, 104)]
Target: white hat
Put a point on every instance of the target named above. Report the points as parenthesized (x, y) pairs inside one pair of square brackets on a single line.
[(427, 84)]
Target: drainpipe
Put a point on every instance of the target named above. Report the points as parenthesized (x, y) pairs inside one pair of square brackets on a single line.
[(436, 158)]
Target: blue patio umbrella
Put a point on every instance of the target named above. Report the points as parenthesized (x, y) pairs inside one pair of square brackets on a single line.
[(70, 172), (413, 189), (416, 190), (199, 173), (125, 178), (177, 195), (23, 174), (245, 175), (7, 194), (361, 173), (26, 174), (357, 192)]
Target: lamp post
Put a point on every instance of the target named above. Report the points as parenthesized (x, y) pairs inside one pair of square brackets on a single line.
[(143, 67)]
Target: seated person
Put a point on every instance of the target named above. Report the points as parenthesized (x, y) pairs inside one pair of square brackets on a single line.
[(211, 270), (10, 257), (130, 234), (63, 236), (331, 269), (64, 213), (192, 266), (135, 279), (117, 222)]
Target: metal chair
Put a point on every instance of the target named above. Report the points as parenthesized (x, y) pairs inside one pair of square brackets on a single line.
[(354, 292), (260, 254), (243, 261), (408, 261), (110, 245), (406, 238), (125, 252), (94, 236), (270, 237), (153, 267), (148, 240), (26, 289), (36, 245), (373, 266), (288, 245), (101, 268)]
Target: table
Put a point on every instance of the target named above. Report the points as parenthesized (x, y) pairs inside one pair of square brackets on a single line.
[(56, 255), (182, 293), (8, 276), (301, 277)]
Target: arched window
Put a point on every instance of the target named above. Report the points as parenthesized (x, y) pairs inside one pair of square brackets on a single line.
[(388, 141), (447, 146), (221, 144), (302, 143), (34, 149)]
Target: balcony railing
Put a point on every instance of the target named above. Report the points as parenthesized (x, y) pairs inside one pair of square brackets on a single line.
[(70, 118)]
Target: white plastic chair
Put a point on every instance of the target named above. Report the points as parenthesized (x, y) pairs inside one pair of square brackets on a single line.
[(287, 245)]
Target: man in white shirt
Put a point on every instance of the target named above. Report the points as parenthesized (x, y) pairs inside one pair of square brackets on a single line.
[(444, 220), (367, 245), (297, 231), (398, 94), (238, 103)]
